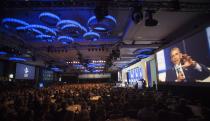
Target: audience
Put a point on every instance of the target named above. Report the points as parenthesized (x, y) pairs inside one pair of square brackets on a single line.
[(94, 102)]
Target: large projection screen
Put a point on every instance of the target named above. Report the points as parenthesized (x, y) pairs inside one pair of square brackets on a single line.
[(186, 61), (24, 71)]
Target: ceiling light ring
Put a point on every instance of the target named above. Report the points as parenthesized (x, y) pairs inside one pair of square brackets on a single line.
[(141, 51), (17, 59), (64, 22), (108, 23), (45, 38), (65, 39), (91, 36), (72, 26), (18, 22), (42, 28), (49, 18), (141, 56), (23, 28)]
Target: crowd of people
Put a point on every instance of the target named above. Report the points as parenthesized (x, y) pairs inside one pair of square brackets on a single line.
[(95, 102)]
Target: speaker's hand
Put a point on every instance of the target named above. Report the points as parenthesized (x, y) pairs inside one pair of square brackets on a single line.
[(188, 61)]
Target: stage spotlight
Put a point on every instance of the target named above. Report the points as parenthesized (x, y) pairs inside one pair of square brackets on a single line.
[(150, 21), (137, 14), (100, 12)]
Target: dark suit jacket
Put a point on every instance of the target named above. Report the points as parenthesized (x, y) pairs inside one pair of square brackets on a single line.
[(191, 74)]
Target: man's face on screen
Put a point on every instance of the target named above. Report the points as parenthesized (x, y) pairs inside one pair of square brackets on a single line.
[(176, 56)]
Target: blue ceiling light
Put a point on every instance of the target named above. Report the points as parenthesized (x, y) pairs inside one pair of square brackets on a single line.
[(17, 59), (97, 71), (93, 65), (141, 56), (71, 26), (71, 29), (83, 28), (42, 28), (13, 22), (3, 53), (91, 36), (49, 18), (34, 31), (86, 71), (100, 29), (146, 51), (65, 39), (64, 22), (143, 53), (56, 69), (45, 38), (107, 24), (111, 18)]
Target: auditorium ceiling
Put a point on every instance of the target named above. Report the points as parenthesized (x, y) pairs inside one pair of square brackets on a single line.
[(80, 36)]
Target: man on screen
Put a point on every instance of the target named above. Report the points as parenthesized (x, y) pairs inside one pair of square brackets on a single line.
[(185, 69)]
